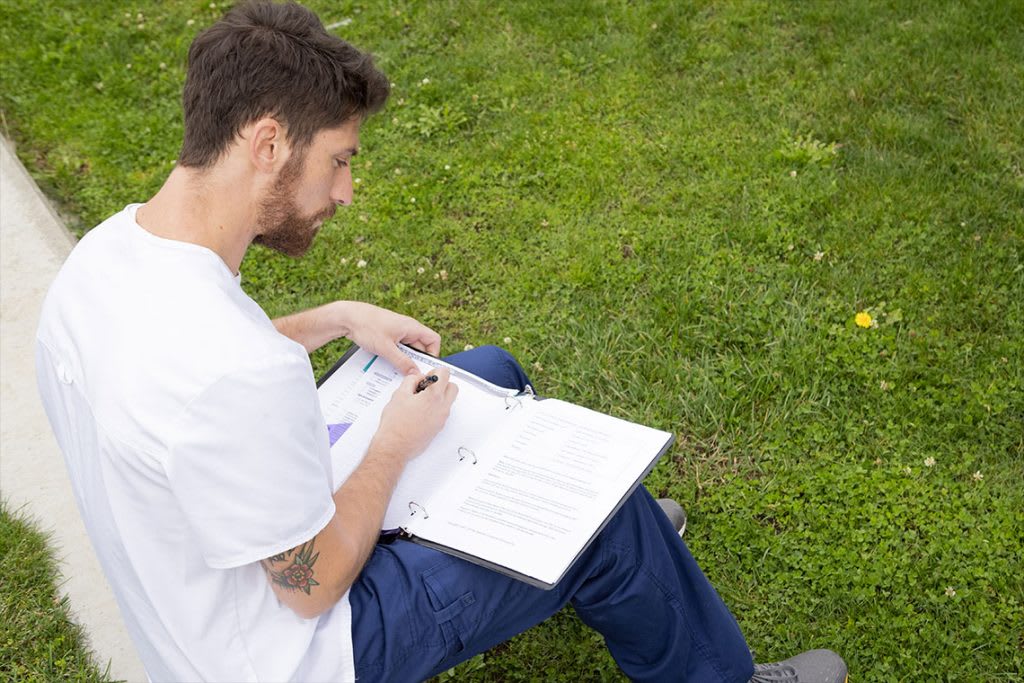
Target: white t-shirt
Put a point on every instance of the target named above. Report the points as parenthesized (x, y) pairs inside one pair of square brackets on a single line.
[(196, 447)]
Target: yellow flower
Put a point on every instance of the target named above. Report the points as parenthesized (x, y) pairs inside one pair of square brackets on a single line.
[(863, 319)]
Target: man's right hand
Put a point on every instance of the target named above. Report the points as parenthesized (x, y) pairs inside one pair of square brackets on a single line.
[(412, 419)]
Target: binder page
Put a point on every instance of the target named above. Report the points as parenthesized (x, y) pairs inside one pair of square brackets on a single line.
[(337, 400), (352, 407), (542, 486)]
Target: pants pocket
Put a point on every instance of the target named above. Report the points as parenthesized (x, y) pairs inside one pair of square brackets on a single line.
[(449, 606)]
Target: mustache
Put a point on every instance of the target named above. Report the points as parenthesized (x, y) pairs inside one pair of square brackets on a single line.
[(326, 214)]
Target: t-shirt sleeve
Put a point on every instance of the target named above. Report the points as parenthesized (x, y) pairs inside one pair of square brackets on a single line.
[(250, 463)]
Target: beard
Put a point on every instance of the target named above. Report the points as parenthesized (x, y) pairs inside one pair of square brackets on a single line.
[(279, 225)]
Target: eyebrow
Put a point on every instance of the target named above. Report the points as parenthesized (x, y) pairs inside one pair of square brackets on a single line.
[(351, 151)]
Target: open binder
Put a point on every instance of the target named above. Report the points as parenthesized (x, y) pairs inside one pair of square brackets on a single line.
[(514, 482)]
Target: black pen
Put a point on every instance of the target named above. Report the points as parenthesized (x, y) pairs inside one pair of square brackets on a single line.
[(425, 382)]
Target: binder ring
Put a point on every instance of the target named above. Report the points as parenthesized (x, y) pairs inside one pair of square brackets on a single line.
[(466, 452), (512, 402), (415, 507)]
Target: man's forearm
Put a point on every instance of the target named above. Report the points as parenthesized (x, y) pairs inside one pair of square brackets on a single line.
[(360, 503), (332, 560), (316, 326)]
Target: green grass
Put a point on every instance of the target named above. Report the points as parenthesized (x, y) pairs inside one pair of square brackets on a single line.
[(674, 210), (38, 640)]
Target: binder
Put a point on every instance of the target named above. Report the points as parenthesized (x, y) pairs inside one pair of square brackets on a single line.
[(515, 482)]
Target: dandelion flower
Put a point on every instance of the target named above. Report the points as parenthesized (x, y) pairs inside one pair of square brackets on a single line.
[(863, 319), (977, 476), (507, 340), (467, 347), (929, 461), (190, 22), (421, 270), (950, 592), (412, 199), (425, 81), (792, 174), (163, 65), (361, 263), (907, 470), (447, 167), (344, 261), (357, 181), (818, 255)]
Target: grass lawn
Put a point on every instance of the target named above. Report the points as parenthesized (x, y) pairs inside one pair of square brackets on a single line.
[(673, 211), (38, 640)]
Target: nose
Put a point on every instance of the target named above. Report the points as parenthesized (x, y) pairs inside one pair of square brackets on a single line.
[(341, 191)]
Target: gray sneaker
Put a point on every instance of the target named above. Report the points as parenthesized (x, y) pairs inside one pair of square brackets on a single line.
[(675, 513), (813, 666)]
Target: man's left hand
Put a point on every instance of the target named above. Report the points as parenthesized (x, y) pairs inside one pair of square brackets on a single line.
[(379, 331)]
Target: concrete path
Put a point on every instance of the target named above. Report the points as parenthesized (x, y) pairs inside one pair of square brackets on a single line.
[(33, 245)]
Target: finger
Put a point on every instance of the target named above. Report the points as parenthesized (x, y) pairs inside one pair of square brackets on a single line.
[(434, 344), (424, 339), (451, 392), (443, 378), (409, 382), (402, 362)]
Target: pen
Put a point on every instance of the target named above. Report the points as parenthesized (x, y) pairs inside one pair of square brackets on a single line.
[(425, 382)]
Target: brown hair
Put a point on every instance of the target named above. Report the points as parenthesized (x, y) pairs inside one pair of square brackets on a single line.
[(264, 59)]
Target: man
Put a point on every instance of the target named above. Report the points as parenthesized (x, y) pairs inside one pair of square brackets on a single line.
[(196, 447)]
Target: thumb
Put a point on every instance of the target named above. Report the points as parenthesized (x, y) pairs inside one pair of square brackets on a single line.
[(402, 362), (408, 385)]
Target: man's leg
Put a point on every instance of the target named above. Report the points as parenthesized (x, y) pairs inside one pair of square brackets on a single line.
[(492, 363), (417, 612)]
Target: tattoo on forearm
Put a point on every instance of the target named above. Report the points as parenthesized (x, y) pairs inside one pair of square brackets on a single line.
[(293, 569)]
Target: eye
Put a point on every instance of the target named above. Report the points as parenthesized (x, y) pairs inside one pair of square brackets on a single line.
[(340, 163)]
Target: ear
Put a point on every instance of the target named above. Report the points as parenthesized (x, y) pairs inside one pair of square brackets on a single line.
[(268, 148)]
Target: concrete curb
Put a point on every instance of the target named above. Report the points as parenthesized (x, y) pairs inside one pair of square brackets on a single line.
[(33, 244)]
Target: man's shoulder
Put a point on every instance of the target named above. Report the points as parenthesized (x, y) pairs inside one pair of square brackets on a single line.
[(143, 326)]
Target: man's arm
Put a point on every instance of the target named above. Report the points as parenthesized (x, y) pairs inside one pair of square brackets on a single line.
[(313, 576), (375, 329)]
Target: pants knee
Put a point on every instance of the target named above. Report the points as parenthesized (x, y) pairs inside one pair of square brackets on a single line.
[(494, 364)]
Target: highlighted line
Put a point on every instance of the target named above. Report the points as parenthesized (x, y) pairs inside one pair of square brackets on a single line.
[(369, 364)]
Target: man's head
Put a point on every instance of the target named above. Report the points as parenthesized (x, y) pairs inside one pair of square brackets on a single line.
[(264, 59)]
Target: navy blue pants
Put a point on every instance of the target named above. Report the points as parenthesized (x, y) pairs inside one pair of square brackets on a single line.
[(417, 612)]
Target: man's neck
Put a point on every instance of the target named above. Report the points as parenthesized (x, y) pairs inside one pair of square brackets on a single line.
[(208, 209)]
